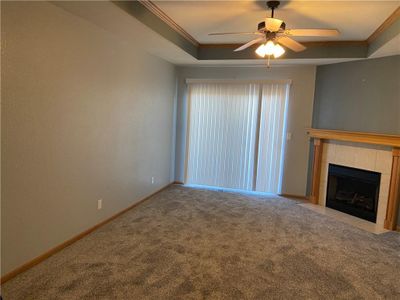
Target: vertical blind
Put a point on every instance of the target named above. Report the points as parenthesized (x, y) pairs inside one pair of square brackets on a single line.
[(222, 124), (235, 135), (271, 138)]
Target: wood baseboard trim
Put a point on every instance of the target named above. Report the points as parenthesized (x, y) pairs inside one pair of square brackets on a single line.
[(72, 240), (178, 182), (300, 197)]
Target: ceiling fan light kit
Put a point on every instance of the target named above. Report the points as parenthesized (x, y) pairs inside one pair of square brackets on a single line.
[(273, 35), (269, 49)]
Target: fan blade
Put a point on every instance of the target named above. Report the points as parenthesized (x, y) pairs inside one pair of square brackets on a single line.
[(272, 24), (312, 32), (247, 45), (291, 44), (226, 33)]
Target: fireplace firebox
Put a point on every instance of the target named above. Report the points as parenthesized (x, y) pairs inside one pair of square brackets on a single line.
[(353, 191)]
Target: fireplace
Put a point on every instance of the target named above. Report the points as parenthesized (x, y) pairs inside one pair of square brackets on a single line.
[(353, 191)]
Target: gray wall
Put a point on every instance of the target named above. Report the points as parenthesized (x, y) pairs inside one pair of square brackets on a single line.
[(359, 96), (299, 115), (85, 116)]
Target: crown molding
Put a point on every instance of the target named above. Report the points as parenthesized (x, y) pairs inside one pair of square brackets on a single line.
[(171, 23), (385, 25)]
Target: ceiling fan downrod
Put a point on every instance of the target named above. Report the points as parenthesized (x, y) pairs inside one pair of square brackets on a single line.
[(272, 5)]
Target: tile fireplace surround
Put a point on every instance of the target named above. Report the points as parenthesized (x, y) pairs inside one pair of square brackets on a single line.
[(371, 152), (360, 156)]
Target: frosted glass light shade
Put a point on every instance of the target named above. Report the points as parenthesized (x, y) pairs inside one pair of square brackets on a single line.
[(261, 50), (278, 51), (269, 48)]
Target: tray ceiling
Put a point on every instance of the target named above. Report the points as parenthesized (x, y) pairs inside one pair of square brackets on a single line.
[(356, 20)]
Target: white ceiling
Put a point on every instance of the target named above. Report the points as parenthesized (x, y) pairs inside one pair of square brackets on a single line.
[(356, 20)]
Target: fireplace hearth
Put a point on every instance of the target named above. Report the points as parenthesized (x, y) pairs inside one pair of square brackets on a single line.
[(353, 191)]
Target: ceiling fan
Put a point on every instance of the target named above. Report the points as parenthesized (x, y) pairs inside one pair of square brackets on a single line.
[(273, 33)]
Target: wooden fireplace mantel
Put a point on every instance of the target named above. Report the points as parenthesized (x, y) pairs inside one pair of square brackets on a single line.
[(357, 137), (393, 141)]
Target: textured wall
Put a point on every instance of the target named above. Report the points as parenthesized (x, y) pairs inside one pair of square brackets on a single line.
[(84, 117), (359, 96), (299, 115)]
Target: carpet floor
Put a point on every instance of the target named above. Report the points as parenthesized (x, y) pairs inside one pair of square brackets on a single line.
[(186, 243)]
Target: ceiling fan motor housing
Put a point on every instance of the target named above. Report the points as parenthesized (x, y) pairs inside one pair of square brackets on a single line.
[(261, 26), (270, 36)]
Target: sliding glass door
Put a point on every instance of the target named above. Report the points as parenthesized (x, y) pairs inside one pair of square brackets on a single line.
[(235, 135), (271, 145), (222, 123)]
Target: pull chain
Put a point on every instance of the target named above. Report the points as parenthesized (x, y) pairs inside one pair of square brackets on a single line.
[(268, 65)]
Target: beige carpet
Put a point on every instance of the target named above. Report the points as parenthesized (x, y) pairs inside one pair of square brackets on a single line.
[(196, 244)]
